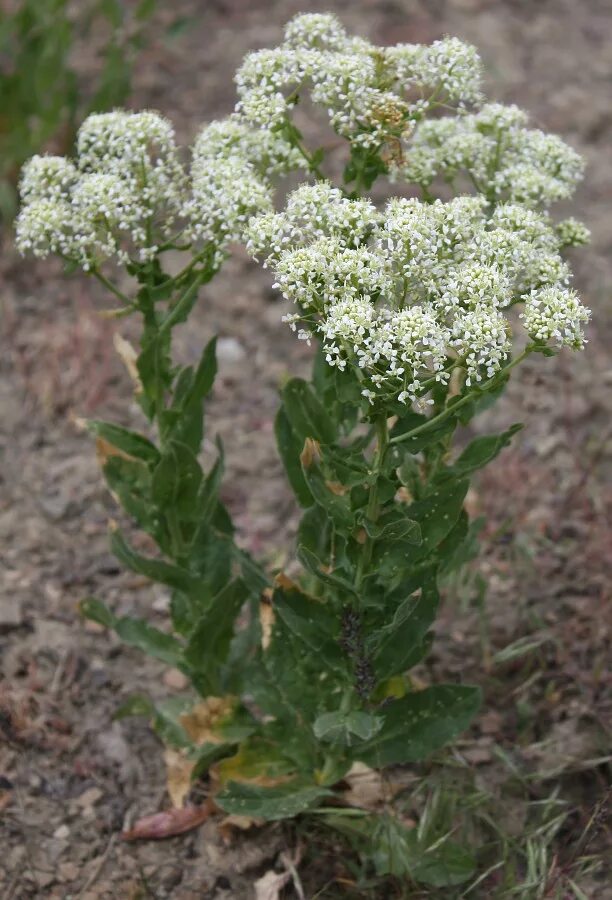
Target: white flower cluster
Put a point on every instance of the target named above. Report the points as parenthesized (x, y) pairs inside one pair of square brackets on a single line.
[(503, 159), (123, 192), (231, 171), (406, 293), (371, 94), (127, 191)]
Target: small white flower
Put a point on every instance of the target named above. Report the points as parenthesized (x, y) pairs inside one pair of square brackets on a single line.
[(556, 314)]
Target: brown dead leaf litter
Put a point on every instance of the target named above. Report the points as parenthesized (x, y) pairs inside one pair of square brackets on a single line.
[(71, 779)]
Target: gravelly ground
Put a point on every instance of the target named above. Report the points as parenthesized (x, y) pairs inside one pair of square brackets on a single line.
[(75, 777)]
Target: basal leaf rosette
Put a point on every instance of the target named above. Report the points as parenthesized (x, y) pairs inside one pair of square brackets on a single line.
[(402, 296)]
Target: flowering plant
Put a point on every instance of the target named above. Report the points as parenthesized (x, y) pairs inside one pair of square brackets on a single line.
[(418, 309)]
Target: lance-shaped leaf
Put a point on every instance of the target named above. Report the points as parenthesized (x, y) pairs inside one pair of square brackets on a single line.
[(436, 515), (312, 623), (289, 448), (176, 481), (129, 442), (397, 642), (209, 643), (283, 801), (479, 453), (431, 434), (155, 569), (208, 494), (130, 482), (420, 723), (136, 632), (306, 414), (316, 567), (187, 410), (332, 496)]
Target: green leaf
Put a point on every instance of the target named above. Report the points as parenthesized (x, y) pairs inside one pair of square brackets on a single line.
[(431, 434), (317, 568), (176, 481), (307, 415), (130, 481), (325, 493), (208, 495), (479, 453), (398, 529), (420, 723), (129, 442), (290, 448), (283, 801), (397, 641), (437, 514), (136, 705), (138, 633), (444, 865), (313, 623), (135, 632), (341, 726), (188, 402), (209, 644), (155, 569), (97, 611)]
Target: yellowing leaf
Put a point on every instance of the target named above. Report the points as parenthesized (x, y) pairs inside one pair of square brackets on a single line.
[(179, 770), (129, 358), (311, 453), (232, 824), (104, 451), (204, 719), (336, 488), (253, 764), (266, 621)]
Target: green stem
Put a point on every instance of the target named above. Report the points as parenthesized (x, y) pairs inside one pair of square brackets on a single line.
[(382, 444), (450, 410), (111, 287)]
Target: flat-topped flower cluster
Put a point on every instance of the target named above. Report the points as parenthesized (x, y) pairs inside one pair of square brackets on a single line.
[(371, 94), (127, 194), (405, 292)]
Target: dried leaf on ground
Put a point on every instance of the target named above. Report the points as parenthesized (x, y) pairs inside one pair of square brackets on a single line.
[(367, 789), (270, 885), (230, 825), (168, 823)]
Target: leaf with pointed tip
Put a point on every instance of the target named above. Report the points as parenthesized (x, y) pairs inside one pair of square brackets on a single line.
[(209, 644), (479, 453), (420, 723), (155, 569), (130, 442), (283, 801), (396, 642), (306, 414), (290, 448)]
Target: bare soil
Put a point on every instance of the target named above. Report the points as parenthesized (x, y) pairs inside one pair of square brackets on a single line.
[(70, 778)]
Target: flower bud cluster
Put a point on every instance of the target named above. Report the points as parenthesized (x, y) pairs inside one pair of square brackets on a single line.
[(404, 294), (371, 94)]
